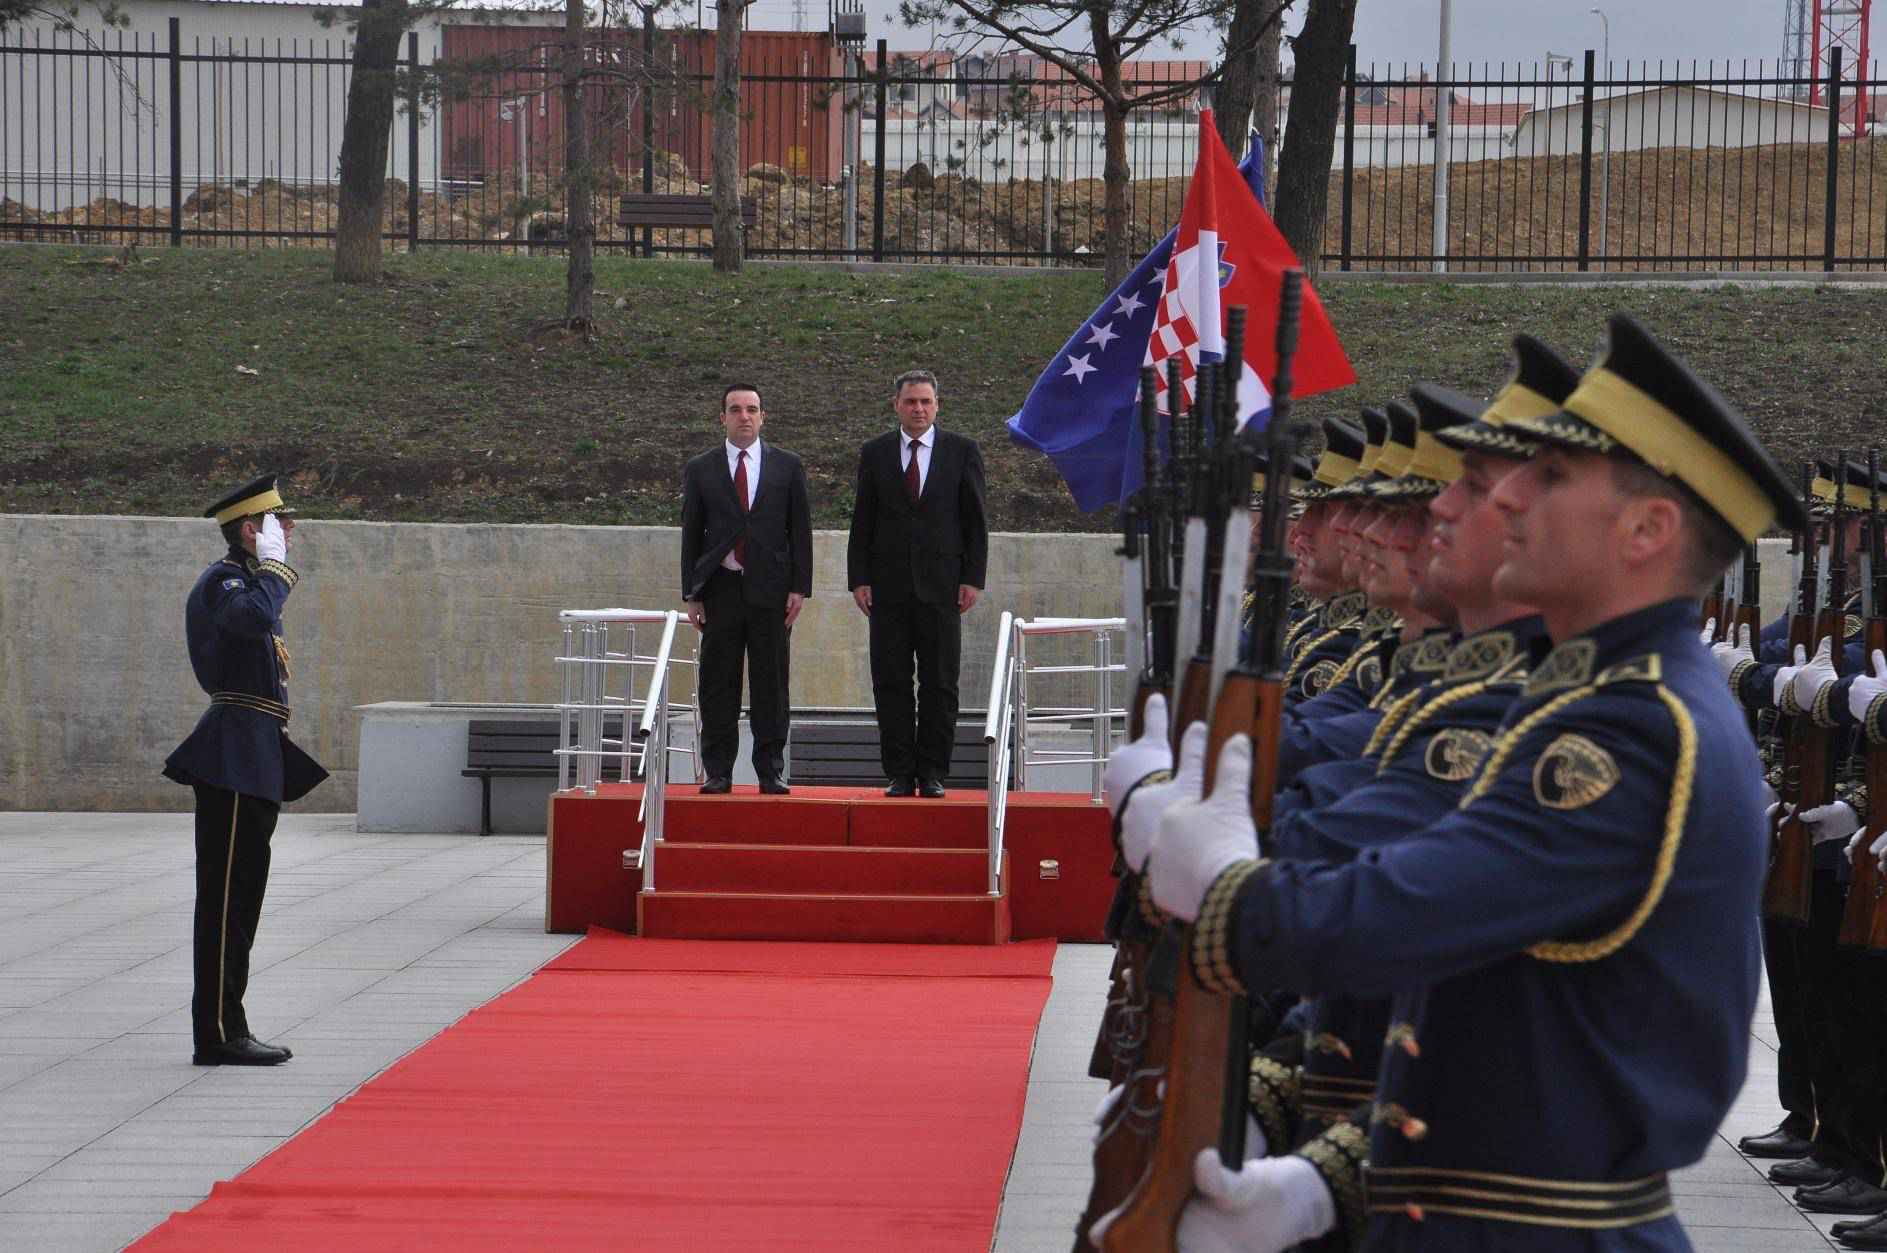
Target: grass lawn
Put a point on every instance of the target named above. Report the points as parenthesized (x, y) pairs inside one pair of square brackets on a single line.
[(153, 388)]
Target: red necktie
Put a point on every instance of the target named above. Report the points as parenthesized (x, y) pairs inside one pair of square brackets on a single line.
[(740, 492), (912, 485)]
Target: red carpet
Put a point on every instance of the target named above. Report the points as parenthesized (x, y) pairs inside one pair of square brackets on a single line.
[(674, 1095)]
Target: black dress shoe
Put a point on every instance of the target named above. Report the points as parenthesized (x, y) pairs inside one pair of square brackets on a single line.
[(773, 785), (242, 1051), (901, 787), (1871, 1234), (283, 1049), (1782, 1142), (717, 785), (1805, 1173), (1850, 1194), (930, 789)]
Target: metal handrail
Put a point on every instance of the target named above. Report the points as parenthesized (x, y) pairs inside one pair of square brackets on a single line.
[(996, 731)]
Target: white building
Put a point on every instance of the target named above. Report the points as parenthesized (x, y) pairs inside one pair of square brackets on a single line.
[(1671, 117), (261, 94)]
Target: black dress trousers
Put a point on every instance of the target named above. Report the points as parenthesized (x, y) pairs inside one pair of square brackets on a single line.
[(233, 832), (910, 639), (737, 629)]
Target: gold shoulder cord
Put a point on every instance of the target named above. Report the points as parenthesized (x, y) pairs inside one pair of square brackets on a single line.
[(1422, 715), (1344, 671), (1682, 782), (1308, 649), (1391, 716)]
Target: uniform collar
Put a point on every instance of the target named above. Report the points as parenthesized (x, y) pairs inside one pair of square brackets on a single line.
[(1643, 631), (1507, 650)]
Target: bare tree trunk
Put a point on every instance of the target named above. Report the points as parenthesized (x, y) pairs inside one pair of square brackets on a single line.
[(1116, 173), (365, 138), (1266, 98), (579, 178), (1310, 136), (727, 239), (1241, 80)]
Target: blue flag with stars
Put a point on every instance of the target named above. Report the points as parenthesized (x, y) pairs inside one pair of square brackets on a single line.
[(1083, 412)]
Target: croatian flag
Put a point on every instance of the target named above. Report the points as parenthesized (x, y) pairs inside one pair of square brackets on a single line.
[(1083, 410)]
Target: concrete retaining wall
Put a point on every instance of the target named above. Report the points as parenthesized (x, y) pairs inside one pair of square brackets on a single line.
[(95, 686)]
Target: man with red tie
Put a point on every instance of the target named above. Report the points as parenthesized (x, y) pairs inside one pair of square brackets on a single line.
[(916, 561), (746, 568)]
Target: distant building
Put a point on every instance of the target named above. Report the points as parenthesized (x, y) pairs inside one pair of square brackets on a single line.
[(1688, 116)]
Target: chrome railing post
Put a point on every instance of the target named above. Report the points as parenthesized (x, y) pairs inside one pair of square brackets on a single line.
[(1101, 707)]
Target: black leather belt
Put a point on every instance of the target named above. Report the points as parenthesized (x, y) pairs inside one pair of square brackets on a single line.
[(261, 704), (1415, 1192)]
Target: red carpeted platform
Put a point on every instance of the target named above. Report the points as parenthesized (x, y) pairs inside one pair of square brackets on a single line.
[(829, 863), (674, 1095)]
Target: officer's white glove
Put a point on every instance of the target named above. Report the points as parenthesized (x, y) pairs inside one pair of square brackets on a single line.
[(1785, 677), (1864, 689), (1200, 840), (1854, 842), (1813, 675), (1140, 825), (1830, 822), (1777, 813), (1710, 633), (1728, 655), (271, 543), (1104, 1112), (1879, 849), (1266, 1206), (1133, 762)]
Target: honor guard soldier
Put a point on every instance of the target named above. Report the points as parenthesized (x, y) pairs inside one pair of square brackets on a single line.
[(1572, 953), (239, 760)]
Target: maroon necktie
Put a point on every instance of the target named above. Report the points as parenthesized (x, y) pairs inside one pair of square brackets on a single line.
[(740, 492), (912, 486)]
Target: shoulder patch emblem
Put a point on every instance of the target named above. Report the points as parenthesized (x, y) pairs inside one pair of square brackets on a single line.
[(1572, 773), (1850, 627), (1317, 678), (1369, 673), (232, 585), (1456, 753)]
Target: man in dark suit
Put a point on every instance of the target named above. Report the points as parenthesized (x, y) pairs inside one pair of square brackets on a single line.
[(239, 760), (916, 561), (746, 568)]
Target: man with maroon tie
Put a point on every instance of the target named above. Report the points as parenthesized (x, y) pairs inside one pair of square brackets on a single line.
[(916, 560), (746, 568)]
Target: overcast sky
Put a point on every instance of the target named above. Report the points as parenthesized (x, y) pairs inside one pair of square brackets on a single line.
[(1394, 31)]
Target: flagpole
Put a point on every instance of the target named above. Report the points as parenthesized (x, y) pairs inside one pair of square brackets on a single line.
[(1441, 144)]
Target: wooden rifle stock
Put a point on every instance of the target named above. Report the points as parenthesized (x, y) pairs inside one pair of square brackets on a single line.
[(1864, 919), (1805, 771), (1121, 1151), (1713, 614), (1193, 698)]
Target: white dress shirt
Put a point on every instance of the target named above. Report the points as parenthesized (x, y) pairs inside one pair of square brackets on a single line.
[(753, 484), (924, 443)]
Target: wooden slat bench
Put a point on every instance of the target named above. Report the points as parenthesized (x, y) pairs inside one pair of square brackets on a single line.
[(497, 749), (843, 752), (660, 209)]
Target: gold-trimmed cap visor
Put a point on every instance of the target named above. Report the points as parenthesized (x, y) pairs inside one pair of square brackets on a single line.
[(259, 495)]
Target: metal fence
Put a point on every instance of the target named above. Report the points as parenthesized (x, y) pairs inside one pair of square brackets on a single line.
[(1553, 165)]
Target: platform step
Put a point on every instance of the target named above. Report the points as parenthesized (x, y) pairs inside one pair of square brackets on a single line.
[(816, 869), (952, 919), (815, 816)]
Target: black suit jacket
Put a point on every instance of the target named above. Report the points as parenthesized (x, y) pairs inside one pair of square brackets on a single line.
[(778, 529), (923, 551)]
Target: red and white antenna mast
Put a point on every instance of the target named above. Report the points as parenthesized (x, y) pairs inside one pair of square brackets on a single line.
[(1843, 24)]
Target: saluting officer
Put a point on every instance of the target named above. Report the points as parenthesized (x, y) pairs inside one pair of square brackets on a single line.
[(1572, 953), (239, 760)]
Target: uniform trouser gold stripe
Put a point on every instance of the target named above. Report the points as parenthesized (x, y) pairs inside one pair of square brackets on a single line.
[(222, 936)]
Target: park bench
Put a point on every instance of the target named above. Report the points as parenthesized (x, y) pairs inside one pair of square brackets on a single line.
[(660, 209), (843, 752), (499, 749)]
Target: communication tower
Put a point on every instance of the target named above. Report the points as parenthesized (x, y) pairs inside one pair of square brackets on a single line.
[(1842, 24)]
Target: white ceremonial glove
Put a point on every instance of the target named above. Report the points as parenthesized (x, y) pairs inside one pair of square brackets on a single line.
[(1854, 842), (1140, 825), (1133, 762), (1709, 633), (1200, 840), (1866, 687), (1879, 849), (1785, 676), (271, 544), (1104, 1112), (1816, 674), (1267, 1206), (1728, 655), (1830, 822)]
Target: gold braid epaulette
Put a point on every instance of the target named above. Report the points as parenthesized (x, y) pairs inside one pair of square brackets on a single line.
[(1273, 1095), (1211, 948), (1339, 1155)]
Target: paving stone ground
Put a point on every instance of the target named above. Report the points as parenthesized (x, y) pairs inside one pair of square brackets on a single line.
[(369, 946)]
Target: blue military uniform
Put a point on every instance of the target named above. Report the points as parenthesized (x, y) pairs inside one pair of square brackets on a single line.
[(242, 766)]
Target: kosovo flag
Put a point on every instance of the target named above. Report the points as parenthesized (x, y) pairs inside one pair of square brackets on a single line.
[(1083, 410)]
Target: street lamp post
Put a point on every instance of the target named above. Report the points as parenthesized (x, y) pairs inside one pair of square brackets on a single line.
[(1605, 159)]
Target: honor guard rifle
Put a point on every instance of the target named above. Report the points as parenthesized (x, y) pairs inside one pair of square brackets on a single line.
[(1748, 618), (1808, 759), (1864, 921), (1712, 614), (1204, 1098), (1157, 593)]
